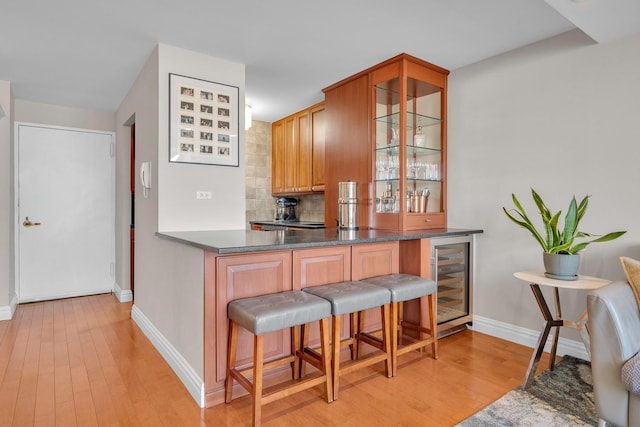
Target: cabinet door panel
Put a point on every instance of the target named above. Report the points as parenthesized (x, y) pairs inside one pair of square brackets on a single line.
[(245, 276), (372, 260), (304, 152), (376, 259), (317, 139), (290, 155), (321, 266), (277, 157)]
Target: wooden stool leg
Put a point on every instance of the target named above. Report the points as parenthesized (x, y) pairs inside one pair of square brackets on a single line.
[(258, 362), (395, 330), (335, 356), (304, 343), (433, 324), (232, 347), (399, 318), (360, 328), (386, 339), (326, 357), (295, 347), (353, 331)]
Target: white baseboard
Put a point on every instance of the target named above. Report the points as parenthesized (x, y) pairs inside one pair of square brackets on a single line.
[(6, 311), (186, 373), (527, 337), (123, 295)]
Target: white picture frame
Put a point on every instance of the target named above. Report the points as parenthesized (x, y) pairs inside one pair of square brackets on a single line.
[(203, 122)]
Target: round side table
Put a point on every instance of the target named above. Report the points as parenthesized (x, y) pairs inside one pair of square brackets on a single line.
[(537, 279)]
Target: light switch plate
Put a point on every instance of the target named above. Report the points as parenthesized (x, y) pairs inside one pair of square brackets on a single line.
[(203, 195)]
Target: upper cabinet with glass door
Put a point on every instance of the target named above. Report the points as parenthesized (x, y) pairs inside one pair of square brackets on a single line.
[(409, 145)]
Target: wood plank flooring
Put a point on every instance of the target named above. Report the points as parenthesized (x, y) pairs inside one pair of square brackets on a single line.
[(83, 362)]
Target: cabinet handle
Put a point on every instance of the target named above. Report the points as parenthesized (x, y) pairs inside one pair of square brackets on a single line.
[(427, 220)]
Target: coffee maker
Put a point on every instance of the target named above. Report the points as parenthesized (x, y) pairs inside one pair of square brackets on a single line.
[(286, 209)]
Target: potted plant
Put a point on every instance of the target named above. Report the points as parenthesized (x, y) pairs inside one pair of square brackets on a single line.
[(561, 244)]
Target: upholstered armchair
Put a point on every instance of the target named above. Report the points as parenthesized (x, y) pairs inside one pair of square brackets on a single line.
[(614, 328)]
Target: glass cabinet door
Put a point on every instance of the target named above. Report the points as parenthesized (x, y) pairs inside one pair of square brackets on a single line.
[(424, 147), (387, 151), (409, 166)]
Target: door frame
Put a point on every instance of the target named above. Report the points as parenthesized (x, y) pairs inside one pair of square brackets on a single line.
[(16, 197), (132, 224)]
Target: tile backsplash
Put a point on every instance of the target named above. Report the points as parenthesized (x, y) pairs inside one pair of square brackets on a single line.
[(311, 208), (260, 204)]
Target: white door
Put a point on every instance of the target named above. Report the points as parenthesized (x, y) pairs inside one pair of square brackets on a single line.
[(65, 212)]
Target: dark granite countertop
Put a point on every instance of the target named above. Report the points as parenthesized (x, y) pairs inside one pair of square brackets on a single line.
[(242, 241), (284, 224)]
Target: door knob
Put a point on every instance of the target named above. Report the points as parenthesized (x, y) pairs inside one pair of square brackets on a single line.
[(28, 223)]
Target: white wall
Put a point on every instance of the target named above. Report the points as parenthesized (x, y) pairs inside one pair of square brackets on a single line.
[(7, 288), (178, 182), (560, 116), (169, 276), (55, 115)]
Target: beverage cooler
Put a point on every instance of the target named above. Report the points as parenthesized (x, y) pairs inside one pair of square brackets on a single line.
[(452, 269)]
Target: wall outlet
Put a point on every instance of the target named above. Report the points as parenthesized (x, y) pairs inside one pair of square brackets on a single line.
[(203, 195)]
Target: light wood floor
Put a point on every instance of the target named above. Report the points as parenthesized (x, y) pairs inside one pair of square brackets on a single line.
[(82, 361)]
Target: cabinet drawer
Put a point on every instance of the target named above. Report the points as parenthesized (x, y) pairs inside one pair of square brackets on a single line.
[(421, 222)]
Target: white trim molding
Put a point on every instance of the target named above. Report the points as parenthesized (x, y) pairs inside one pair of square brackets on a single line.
[(182, 368), (123, 295), (528, 337), (6, 311)]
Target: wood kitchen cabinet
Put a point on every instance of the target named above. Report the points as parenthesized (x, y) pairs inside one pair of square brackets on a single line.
[(230, 278), (387, 131), (318, 132), (298, 152), (239, 274), (277, 156)]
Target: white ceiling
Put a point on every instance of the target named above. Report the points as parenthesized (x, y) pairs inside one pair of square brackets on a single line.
[(84, 53)]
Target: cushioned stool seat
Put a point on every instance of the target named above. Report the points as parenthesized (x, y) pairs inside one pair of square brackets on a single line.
[(269, 313), (353, 297), (406, 287)]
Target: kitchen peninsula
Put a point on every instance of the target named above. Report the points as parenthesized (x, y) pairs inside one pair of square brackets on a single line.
[(241, 263)]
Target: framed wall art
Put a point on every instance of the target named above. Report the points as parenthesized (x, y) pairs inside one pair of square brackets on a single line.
[(203, 122)]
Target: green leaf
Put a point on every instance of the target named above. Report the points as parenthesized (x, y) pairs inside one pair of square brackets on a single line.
[(571, 221), (557, 239)]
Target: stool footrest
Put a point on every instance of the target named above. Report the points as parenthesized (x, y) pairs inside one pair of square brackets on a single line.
[(241, 379), (312, 357), (278, 391), (415, 327), (413, 346), (371, 340), (270, 365), (353, 365)]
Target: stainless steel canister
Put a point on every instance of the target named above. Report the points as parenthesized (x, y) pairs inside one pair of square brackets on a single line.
[(347, 205)]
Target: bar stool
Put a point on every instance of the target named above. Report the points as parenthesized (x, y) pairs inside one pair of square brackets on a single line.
[(405, 287), (353, 297), (274, 312)]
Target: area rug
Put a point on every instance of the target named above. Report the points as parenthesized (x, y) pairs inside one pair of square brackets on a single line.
[(562, 397)]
